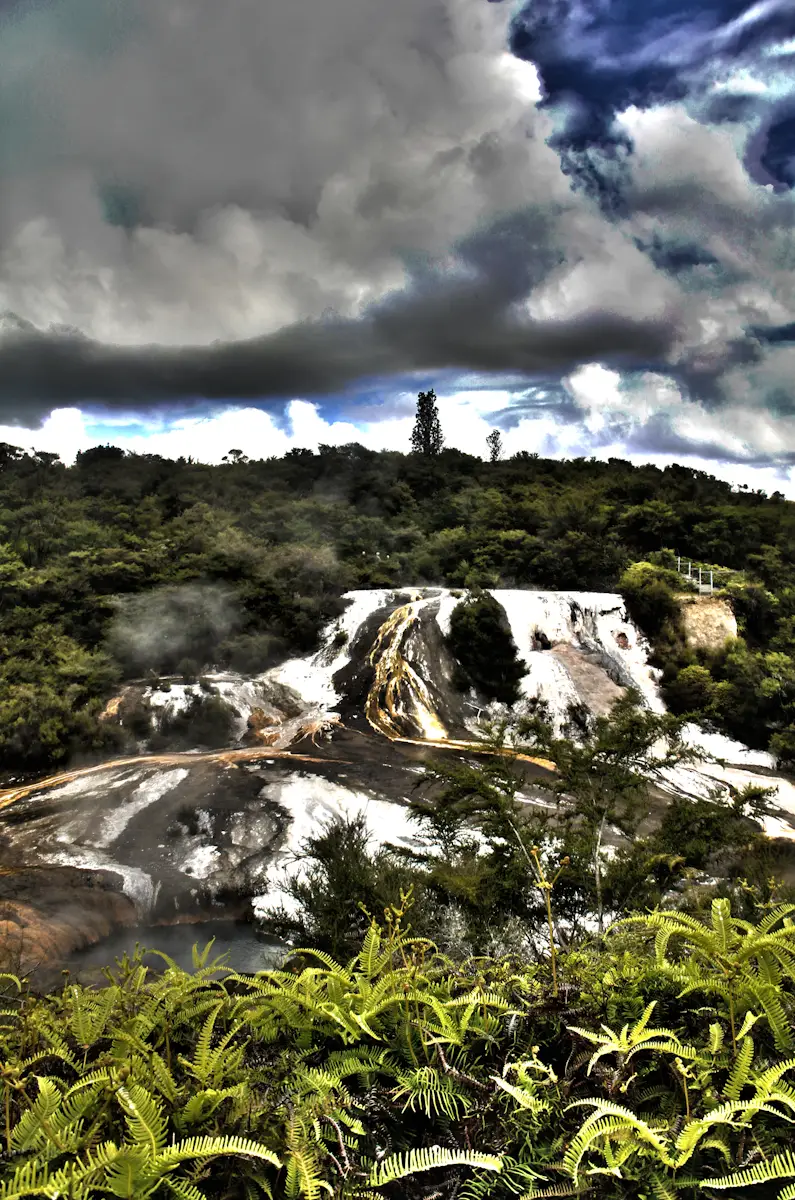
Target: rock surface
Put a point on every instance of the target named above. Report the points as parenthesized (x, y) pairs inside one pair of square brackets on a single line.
[(708, 621), (47, 913)]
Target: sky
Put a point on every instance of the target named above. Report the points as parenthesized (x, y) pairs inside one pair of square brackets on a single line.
[(261, 225)]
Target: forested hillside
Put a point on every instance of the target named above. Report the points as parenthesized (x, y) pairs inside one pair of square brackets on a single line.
[(95, 560)]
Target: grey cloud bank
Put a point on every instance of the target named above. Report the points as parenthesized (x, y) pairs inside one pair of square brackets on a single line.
[(259, 201), (40, 371)]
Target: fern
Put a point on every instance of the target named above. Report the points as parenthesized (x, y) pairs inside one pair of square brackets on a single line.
[(781, 1166), (429, 1158), (144, 1116), (741, 1070)]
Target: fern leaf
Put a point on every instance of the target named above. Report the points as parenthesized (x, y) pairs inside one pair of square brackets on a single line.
[(608, 1118), (716, 1038), (558, 1189), (780, 1166), (741, 1070), (30, 1179), (721, 915), (370, 952), (183, 1190), (644, 1020), (429, 1158), (30, 1132), (212, 1147), (522, 1097), (144, 1117)]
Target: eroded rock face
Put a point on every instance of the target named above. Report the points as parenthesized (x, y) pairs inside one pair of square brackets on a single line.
[(47, 913), (709, 622), (175, 838)]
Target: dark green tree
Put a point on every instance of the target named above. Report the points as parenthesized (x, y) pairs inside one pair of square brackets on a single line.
[(604, 778), (427, 436), (480, 638)]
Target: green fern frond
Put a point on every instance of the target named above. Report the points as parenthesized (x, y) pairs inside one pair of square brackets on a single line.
[(716, 1038), (769, 1000), (547, 1193), (721, 916), (607, 1120), (777, 914), (429, 1158), (680, 1049), (780, 1166), (741, 1070), (769, 1078), (31, 1130), (183, 1190), (163, 1077), (303, 1174), (128, 1175), (144, 1117), (29, 1179), (204, 1103), (330, 963), (212, 1147), (432, 1093), (523, 1097), (369, 955)]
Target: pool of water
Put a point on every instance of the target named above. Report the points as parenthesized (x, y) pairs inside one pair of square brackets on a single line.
[(245, 947)]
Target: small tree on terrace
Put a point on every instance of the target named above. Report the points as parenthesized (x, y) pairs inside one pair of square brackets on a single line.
[(604, 778), (427, 436)]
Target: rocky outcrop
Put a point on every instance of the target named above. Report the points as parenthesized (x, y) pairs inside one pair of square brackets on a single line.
[(47, 913), (708, 621)]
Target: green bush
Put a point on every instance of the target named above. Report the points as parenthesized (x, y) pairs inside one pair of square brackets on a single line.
[(480, 640), (650, 596)]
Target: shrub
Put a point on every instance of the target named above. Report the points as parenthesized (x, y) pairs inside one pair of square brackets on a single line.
[(481, 641)]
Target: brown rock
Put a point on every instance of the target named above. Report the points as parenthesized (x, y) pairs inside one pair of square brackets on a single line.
[(47, 913)]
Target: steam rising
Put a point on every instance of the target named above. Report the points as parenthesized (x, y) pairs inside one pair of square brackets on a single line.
[(159, 630)]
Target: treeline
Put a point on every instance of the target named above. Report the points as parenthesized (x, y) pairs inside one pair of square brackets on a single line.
[(91, 552)]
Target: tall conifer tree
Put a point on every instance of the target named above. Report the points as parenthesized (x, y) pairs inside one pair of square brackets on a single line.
[(427, 435)]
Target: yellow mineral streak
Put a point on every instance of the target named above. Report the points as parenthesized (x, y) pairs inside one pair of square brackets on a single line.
[(228, 757), (398, 696), (111, 709)]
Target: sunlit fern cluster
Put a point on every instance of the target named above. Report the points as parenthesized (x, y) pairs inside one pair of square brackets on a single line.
[(402, 1074)]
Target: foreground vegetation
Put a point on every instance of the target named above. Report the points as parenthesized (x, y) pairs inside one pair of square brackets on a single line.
[(126, 564), (655, 1064)]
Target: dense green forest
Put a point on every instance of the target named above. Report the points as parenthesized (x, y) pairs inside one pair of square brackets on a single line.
[(97, 562)]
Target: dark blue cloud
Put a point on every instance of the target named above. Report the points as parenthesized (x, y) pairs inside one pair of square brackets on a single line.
[(676, 256), (547, 399), (774, 335), (596, 58), (778, 156)]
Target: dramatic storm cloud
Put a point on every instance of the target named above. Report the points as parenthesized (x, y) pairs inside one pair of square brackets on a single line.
[(279, 208)]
